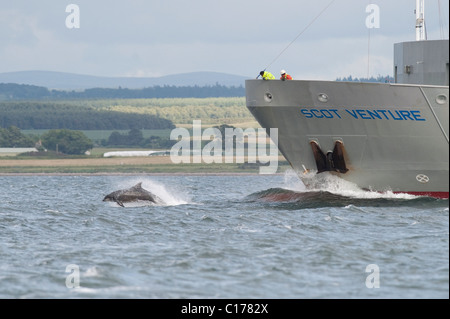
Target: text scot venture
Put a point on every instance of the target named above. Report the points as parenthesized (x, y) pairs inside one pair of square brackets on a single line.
[(364, 114)]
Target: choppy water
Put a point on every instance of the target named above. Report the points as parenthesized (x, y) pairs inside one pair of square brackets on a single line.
[(218, 237)]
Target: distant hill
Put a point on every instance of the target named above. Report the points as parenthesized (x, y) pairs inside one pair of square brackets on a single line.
[(71, 81)]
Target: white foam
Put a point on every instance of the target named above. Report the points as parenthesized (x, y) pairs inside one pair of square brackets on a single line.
[(312, 182), (86, 290), (293, 182), (92, 272)]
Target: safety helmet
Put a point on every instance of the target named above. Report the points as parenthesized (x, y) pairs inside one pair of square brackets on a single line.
[(282, 72)]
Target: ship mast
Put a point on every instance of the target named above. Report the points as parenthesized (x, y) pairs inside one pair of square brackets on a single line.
[(420, 20)]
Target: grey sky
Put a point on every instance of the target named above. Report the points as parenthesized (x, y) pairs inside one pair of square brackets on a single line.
[(161, 37)]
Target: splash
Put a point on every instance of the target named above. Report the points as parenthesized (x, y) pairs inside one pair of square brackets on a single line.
[(326, 182)]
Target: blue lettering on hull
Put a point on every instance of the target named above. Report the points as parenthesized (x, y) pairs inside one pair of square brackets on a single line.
[(364, 114)]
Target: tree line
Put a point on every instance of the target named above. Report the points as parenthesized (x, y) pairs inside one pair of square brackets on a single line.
[(48, 115), (13, 91), (75, 142), (378, 79), (135, 138), (13, 137), (63, 141)]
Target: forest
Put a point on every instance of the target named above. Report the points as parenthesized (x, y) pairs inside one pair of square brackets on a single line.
[(378, 79), (52, 115), (12, 91)]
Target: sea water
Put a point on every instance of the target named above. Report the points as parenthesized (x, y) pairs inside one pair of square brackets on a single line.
[(230, 236)]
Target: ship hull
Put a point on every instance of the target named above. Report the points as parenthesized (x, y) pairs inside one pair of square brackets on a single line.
[(392, 137)]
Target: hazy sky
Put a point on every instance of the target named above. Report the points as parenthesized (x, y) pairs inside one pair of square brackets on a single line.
[(161, 37)]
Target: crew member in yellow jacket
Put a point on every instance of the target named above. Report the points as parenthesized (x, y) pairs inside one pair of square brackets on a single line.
[(266, 75)]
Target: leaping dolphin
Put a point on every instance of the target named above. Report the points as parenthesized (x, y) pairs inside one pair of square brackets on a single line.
[(135, 193)]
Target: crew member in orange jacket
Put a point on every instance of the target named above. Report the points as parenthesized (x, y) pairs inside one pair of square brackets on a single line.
[(285, 76)]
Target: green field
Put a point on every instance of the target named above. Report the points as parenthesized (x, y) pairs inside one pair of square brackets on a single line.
[(181, 111), (221, 110)]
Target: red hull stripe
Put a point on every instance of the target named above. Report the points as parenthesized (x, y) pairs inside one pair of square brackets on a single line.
[(442, 195)]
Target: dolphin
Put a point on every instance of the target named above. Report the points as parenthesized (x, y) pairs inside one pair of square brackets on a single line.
[(135, 193)]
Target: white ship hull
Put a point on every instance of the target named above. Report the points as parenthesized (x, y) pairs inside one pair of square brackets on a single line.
[(380, 136)]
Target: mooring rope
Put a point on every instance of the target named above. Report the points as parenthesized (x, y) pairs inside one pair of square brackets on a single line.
[(298, 35), (368, 50)]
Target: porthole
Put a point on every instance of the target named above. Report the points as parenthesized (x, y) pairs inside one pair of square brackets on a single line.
[(322, 97), (441, 99), (268, 97)]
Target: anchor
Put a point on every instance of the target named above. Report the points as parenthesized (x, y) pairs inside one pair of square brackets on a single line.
[(332, 161)]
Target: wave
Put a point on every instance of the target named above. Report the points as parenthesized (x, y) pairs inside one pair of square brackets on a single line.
[(332, 191), (313, 199)]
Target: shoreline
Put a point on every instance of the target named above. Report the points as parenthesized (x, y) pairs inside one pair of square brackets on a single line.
[(125, 166), (145, 174)]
